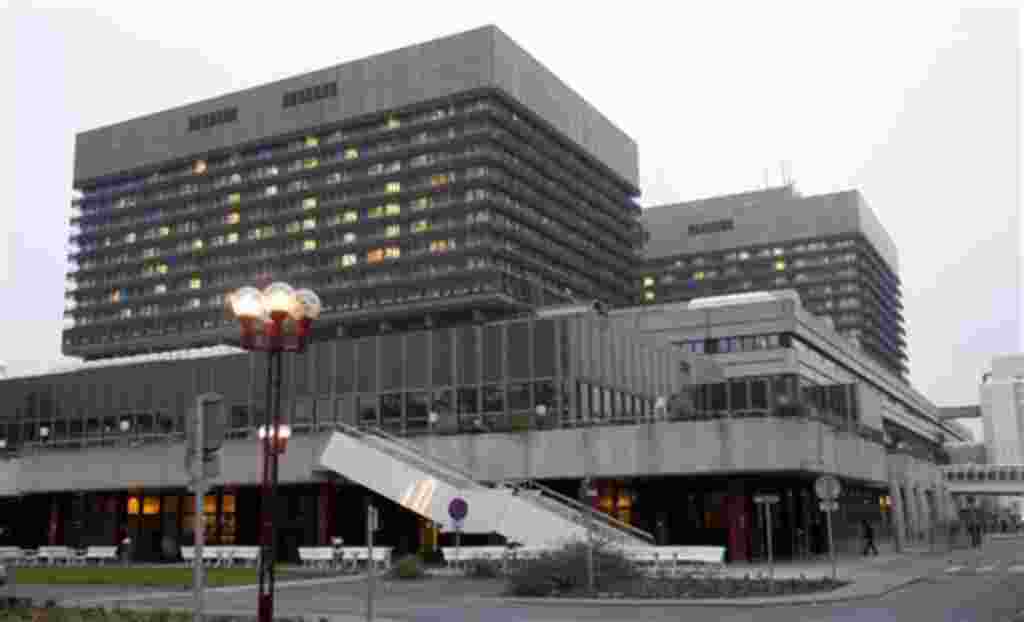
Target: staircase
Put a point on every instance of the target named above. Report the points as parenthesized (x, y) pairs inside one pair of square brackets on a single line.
[(525, 512)]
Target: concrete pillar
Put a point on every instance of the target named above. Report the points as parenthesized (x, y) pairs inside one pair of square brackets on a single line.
[(914, 520), (896, 511)]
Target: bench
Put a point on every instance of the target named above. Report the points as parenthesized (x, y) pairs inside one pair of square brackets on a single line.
[(454, 556), (100, 554), (316, 556), (53, 555), (706, 558), (12, 555)]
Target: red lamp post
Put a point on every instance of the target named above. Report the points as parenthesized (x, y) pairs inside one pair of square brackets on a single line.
[(275, 320)]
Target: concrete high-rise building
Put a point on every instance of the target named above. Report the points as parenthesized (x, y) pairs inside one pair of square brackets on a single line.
[(1002, 408), (830, 248), (456, 178)]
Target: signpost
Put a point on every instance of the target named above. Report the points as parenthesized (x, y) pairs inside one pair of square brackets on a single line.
[(457, 510), (204, 437), (828, 490), (587, 493), (768, 500), (372, 525)]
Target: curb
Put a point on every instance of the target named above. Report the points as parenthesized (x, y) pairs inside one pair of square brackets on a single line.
[(779, 601)]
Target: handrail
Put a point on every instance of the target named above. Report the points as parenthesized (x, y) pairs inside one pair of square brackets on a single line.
[(413, 448), (610, 521)]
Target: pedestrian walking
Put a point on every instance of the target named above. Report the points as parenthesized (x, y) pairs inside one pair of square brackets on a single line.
[(869, 539)]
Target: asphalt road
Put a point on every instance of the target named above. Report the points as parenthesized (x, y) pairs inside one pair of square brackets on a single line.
[(989, 587)]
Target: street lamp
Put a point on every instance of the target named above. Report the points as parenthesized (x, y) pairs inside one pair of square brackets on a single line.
[(274, 320)]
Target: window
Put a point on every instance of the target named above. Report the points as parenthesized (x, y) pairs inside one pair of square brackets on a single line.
[(309, 245), (421, 203), (232, 237), (780, 265), (393, 231), (439, 180), (375, 256), (393, 123), (309, 203), (350, 216), (392, 209), (234, 198), (129, 238), (648, 296), (420, 226), (309, 94), (777, 251), (197, 244), (293, 227), (393, 252), (334, 178), (698, 276), (194, 303), (149, 252), (439, 246), (161, 268), (195, 282), (310, 163), (165, 231), (351, 153), (392, 187), (348, 260), (160, 288), (309, 223), (312, 141), (349, 238), (270, 191), (375, 212), (648, 281), (218, 117), (232, 218), (199, 167)]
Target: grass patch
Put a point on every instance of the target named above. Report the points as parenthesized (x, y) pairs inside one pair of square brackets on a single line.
[(142, 577)]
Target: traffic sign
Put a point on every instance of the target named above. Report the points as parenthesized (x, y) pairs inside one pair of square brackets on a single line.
[(827, 487), (829, 506), (458, 508), (766, 498)]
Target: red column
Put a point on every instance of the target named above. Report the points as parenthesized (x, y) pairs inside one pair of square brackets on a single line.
[(53, 532), (325, 513), (738, 520)]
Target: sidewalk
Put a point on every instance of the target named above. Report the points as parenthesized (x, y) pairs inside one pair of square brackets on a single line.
[(870, 577)]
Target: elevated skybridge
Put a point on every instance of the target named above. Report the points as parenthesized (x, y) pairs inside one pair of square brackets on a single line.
[(985, 479)]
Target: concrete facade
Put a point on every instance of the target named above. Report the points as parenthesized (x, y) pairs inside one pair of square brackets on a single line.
[(477, 59)]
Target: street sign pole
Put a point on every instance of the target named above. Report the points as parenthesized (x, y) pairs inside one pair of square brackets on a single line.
[(199, 476), (831, 544), (371, 516), (768, 530), (458, 543)]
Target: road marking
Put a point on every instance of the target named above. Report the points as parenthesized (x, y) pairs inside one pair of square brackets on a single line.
[(953, 569), (989, 568)]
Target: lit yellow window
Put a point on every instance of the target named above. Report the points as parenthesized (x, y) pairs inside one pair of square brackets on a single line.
[(393, 186), (270, 191), (375, 212), (349, 238), (309, 203), (699, 276), (199, 167), (777, 251), (268, 231), (393, 252), (348, 260), (294, 227), (648, 281), (232, 218), (115, 296), (194, 303), (234, 198), (151, 506), (780, 265), (309, 245), (311, 163), (232, 238), (197, 243), (439, 179), (351, 153), (394, 123), (350, 216), (309, 223), (393, 231), (161, 268), (165, 231), (130, 238), (312, 141), (195, 282), (420, 226), (648, 296), (421, 203), (134, 505), (439, 246), (392, 209), (375, 256)]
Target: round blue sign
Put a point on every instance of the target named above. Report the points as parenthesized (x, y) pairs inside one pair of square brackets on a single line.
[(458, 508)]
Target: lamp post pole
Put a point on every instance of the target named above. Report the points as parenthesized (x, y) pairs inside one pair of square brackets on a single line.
[(274, 320)]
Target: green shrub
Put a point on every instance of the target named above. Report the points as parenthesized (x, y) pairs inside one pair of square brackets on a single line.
[(564, 571), (409, 567)]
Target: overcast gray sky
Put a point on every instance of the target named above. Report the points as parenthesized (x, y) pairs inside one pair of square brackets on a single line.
[(916, 107)]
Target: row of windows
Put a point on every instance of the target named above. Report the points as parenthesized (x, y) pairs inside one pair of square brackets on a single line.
[(778, 264), (310, 94), (210, 119), (725, 345)]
